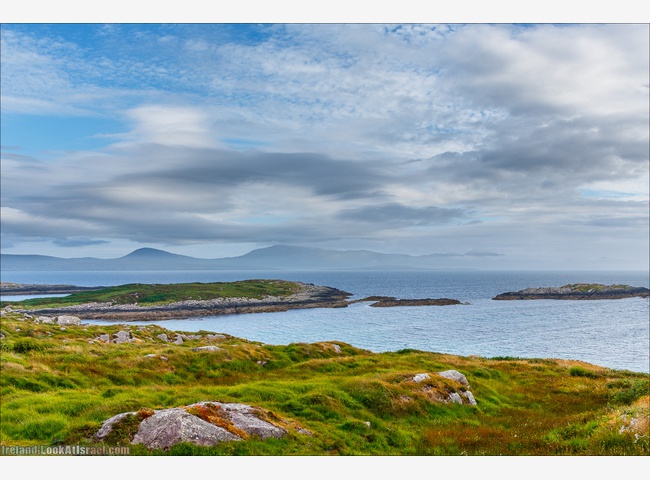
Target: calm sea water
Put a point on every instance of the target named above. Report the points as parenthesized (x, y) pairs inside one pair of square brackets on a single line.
[(611, 333)]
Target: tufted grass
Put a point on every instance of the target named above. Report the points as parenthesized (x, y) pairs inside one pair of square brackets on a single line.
[(58, 386)]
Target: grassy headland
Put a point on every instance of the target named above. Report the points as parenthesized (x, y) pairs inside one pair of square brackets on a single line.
[(161, 294), (58, 384)]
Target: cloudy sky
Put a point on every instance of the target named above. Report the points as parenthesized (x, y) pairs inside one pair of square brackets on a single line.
[(210, 140)]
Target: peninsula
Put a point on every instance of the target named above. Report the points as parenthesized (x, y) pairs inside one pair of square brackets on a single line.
[(183, 300), (576, 291)]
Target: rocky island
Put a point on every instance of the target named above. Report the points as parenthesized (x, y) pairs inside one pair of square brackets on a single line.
[(408, 302), (174, 301), (577, 291)]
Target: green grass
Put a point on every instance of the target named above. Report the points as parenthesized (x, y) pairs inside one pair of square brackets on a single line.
[(58, 386), (160, 294)]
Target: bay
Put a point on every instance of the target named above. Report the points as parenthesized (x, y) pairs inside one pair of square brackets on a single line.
[(610, 333)]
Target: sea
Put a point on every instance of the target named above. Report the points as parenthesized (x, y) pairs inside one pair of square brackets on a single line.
[(609, 333)]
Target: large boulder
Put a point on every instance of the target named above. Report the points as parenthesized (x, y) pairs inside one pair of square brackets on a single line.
[(203, 423), (169, 427)]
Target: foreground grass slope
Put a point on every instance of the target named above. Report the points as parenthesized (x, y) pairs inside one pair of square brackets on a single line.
[(58, 384)]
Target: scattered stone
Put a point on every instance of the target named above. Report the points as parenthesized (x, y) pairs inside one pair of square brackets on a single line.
[(455, 398), (456, 376), (164, 358), (122, 337), (163, 337), (104, 337), (421, 377), (304, 431), (179, 340), (211, 337), (107, 426), (150, 355), (68, 320), (261, 363), (208, 348), (367, 424), (470, 398), (44, 319), (337, 348)]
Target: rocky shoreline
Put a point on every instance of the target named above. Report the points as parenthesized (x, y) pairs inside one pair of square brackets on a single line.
[(9, 288), (578, 291)]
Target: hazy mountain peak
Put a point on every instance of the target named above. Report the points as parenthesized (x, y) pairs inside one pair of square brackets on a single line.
[(150, 253)]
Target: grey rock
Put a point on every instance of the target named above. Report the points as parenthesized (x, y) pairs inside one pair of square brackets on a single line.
[(107, 426), (455, 398), (455, 375), (104, 337), (150, 355), (243, 417), (208, 348), (211, 337), (122, 337), (68, 320), (179, 340), (169, 427), (337, 348), (163, 358), (163, 337), (261, 363), (470, 398), (421, 377), (44, 319)]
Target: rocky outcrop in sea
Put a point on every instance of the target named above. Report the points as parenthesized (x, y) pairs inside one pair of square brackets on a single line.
[(577, 291)]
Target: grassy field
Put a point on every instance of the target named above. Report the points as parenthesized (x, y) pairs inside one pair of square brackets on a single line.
[(59, 384), (161, 294)]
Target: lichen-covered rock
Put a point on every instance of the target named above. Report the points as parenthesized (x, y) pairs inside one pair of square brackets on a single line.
[(203, 423), (168, 427), (244, 417)]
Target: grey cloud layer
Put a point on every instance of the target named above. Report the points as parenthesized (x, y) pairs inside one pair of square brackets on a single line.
[(468, 135)]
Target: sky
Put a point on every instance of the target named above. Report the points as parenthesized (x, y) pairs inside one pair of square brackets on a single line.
[(211, 140)]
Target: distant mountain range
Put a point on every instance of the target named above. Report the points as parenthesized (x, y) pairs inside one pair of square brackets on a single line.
[(278, 257)]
